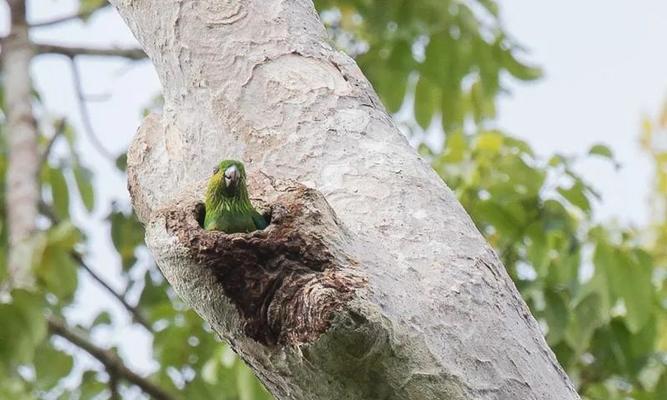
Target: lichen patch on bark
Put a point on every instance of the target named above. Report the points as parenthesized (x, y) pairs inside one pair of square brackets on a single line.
[(287, 281)]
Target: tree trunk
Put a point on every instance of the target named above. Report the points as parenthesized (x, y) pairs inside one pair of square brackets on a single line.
[(371, 281), (22, 186)]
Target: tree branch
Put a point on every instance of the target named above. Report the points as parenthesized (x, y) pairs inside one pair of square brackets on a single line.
[(67, 18), (136, 314), (60, 129), (85, 115), (113, 364), (73, 51), (134, 311), (113, 386)]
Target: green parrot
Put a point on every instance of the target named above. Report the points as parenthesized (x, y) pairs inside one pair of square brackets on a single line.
[(227, 204)]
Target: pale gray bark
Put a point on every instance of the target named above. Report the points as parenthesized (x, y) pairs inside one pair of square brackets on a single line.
[(374, 284), (22, 186)]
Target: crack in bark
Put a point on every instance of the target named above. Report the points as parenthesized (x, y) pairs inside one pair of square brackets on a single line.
[(287, 281)]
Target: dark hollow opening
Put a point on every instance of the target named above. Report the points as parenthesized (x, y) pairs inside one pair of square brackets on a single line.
[(284, 281)]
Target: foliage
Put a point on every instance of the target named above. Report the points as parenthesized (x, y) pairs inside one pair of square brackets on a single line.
[(451, 57), (590, 286), (594, 288), (654, 142)]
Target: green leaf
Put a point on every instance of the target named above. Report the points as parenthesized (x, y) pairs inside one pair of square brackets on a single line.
[(389, 73), (248, 386), (91, 386), (170, 346), (391, 85), (577, 196), (14, 388), (90, 5), (83, 179), (518, 69), (64, 235), (103, 318), (153, 295), (121, 162), (557, 315), (638, 293), (491, 6), (127, 234), (23, 327), (393, 94), (619, 352), (629, 279), (59, 193), (483, 106), (456, 146), (602, 151), (427, 98), (585, 319), (489, 67), (245, 383), (597, 391), (564, 271), (31, 308), (497, 215), (51, 366), (661, 387), (489, 141), (395, 76), (452, 109), (55, 269), (210, 371)]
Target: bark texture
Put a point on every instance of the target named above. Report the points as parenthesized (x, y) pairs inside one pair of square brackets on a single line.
[(371, 281), (22, 186)]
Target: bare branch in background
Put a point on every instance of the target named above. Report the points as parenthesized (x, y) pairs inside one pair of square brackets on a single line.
[(136, 314), (85, 115), (134, 311), (73, 51), (98, 97), (113, 387), (22, 185), (59, 130), (112, 363), (67, 18)]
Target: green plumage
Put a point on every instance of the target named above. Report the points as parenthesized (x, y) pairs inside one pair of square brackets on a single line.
[(228, 206)]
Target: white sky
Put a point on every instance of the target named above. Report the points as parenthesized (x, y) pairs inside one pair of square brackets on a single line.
[(605, 65)]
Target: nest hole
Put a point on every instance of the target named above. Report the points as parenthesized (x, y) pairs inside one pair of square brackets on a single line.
[(285, 282)]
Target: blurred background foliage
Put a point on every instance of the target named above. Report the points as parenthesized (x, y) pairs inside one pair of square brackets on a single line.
[(598, 290)]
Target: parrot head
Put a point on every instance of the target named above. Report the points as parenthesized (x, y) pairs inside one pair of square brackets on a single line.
[(228, 180), (227, 205)]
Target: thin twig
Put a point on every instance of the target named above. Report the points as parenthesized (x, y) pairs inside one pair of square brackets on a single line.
[(60, 129), (136, 315), (85, 116), (73, 51), (113, 386), (98, 97), (113, 364), (134, 311), (67, 18)]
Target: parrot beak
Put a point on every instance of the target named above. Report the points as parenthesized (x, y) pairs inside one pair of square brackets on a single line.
[(232, 176)]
